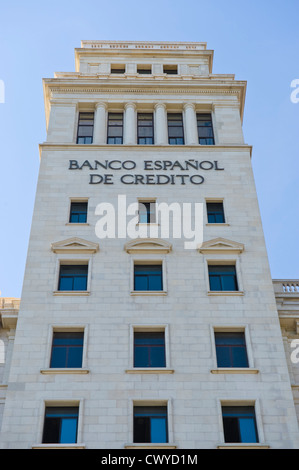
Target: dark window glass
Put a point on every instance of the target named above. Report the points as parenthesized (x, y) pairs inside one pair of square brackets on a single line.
[(118, 69), (231, 349), (147, 212), (67, 348), (150, 424), (85, 128), (215, 212), (170, 69), (148, 277), (145, 128), (149, 349), (239, 424), (223, 278), (78, 212), (115, 128), (175, 129), (144, 70), (205, 129), (73, 277), (60, 425)]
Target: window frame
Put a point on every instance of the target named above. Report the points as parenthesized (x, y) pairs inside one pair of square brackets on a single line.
[(121, 135), (153, 205), (148, 260), (68, 349), (81, 125), (76, 402), (251, 410), (222, 213), (72, 328), (140, 126), (73, 277), (77, 201), (229, 346), (241, 328), (211, 126), (254, 402), (228, 260), (156, 413), (149, 401), (148, 328), (60, 424), (170, 69), (72, 260), (180, 126), (117, 69), (144, 69)]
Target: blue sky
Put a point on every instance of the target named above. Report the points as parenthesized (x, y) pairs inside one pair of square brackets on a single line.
[(258, 41)]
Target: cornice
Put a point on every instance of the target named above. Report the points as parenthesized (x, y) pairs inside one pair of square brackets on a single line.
[(52, 146)]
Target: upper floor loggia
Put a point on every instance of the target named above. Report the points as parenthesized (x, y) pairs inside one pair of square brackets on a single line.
[(160, 79)]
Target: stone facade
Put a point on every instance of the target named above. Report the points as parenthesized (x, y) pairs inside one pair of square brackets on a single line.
[(130, 78)]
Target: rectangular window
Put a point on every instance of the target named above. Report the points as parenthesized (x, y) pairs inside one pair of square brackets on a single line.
[(115, 128), (145, 128), (149, 349), (148, 277), (147, 212), (205, 129), (239, 424), (117, 68), (150, 424), (78, 213), (85, 128), (231, 349), (73, 277), (61, 424), (144, 69), (170, 69), (67, 349), (223, 278), (175, 128), (215, 212)]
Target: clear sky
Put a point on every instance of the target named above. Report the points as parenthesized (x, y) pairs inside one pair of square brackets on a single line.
[(257, 40)]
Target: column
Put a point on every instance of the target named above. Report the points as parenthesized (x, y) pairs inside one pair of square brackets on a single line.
[(161, 129), (130, 124), (100, 124), (190, 124)]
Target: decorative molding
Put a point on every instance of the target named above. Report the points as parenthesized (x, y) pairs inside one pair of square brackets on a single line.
[(221, 245), (74, 245), (148, 245)]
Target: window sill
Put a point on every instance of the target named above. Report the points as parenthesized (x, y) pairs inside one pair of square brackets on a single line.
[(150, 370), (148, 292), (234, 370), (71, 292), (218, 224), (149, 445), (64, 370), (225, 292), (243, 445), (147, 224), (77, 224), (58, 446)]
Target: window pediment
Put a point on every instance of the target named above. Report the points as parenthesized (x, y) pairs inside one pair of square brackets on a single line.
[(221, 245), (74, 245), (148, 245)]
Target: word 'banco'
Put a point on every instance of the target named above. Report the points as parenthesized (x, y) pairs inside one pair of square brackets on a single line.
[(148, 165)]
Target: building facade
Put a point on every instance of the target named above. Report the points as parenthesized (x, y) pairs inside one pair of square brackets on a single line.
[(148, 317)]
